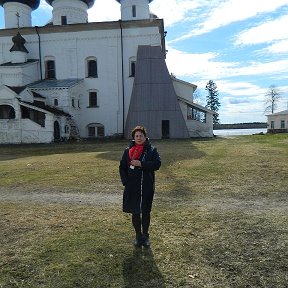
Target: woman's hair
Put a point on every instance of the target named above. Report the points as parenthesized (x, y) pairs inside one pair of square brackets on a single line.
[(140, 129)]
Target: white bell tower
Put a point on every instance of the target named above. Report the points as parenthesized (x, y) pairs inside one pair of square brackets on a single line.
[(70, 11), (18, 12), (134, 9)]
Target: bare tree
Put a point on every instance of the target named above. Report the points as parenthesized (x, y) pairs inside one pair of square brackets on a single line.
[(198, 98), (272, 97)]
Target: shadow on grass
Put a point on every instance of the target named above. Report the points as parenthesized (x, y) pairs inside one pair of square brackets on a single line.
[(112, 149), (17, 151), (140, 270)]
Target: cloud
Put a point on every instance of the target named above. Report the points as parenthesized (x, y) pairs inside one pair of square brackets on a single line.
[(238, 101), (105, 10), (45, 6), (202, 65), (278, 47), (175, 11), (223, 13), (240, 88), (267, 32), (245, 102), (271, 68), (206, 66), (172, 11)]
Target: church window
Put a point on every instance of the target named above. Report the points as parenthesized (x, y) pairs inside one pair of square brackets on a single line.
[(272, 124), (134, 11), (194, 113), (67, 129), (282, 124), (91, 131), (7, 112), (50, 69), (132, 74), (55, 102), (63, 20), (93, 101), (96, 130), (73, 102), (91, 67), (132, 67)]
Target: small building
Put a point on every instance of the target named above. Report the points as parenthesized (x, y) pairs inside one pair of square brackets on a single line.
[(278, 122)]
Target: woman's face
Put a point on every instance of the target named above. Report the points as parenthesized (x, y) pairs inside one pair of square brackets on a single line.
[(139, 137)]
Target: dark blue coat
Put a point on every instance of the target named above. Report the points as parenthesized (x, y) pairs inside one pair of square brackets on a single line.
[(139, 182)]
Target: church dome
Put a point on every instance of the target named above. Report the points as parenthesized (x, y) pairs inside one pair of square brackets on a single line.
[(19, 42), (89, 3), (120, 1), (33, 4)]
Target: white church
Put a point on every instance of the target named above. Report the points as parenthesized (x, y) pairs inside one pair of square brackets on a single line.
[(71, 79)]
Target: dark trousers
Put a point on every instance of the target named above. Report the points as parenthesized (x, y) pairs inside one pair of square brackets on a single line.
[(141, 223)]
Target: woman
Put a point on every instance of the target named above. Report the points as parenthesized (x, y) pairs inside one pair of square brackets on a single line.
[(137, 166)]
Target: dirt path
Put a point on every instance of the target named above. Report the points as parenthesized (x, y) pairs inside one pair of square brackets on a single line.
[(61, 197), (256, 205)]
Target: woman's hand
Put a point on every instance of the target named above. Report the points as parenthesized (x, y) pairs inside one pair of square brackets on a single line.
[(136, 163)]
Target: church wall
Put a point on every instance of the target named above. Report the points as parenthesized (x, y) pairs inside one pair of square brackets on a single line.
[(11, 21), (7, 97), (70, 51), (34, 133), (19, 75), (10, 131), (75, 11), (21, 130)]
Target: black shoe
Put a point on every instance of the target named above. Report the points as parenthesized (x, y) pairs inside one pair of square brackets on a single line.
[(145, 241), (138, 241)]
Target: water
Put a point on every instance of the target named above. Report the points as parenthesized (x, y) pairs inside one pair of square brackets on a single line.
[(235, 132)]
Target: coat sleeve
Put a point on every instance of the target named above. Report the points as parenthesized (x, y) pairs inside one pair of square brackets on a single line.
[(123, 168), (152, 163)]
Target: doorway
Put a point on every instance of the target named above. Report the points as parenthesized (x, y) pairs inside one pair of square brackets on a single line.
[(165, 129)]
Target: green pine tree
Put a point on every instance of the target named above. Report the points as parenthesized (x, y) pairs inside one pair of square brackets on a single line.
[(213, 100)]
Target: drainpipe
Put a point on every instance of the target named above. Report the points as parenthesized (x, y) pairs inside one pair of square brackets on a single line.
[(122, 71), (39, 47)]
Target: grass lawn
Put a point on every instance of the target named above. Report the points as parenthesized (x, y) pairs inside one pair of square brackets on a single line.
[(220, 216)]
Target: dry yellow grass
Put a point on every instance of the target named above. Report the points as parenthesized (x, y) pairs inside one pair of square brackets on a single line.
[(219, 217)]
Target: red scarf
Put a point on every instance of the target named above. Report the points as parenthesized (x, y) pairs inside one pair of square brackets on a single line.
[(135, 151)]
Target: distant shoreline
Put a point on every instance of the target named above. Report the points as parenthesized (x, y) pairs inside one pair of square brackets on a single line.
[(253, 125)]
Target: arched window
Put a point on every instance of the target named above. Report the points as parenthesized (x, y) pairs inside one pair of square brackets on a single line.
[(95, 130), (132, 67), (50, 70), (7, 112), (92, 69)]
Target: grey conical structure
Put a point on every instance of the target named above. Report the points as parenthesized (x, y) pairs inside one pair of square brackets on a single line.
[(154, 102)]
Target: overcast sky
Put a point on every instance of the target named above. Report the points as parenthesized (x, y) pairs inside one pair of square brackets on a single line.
[(242, 45)]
